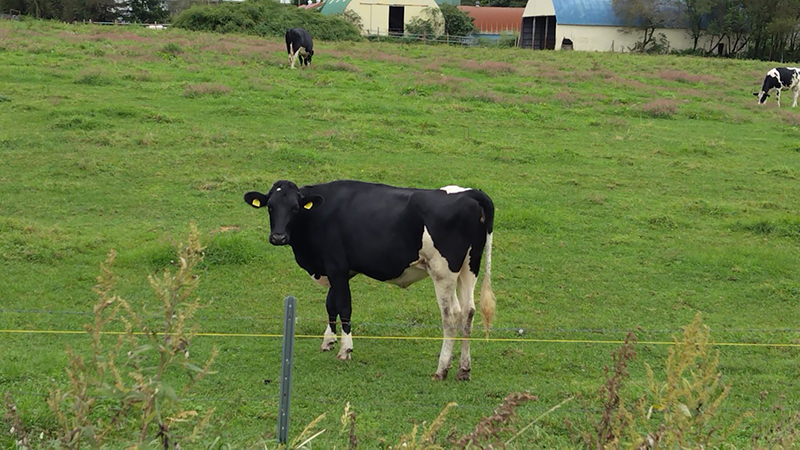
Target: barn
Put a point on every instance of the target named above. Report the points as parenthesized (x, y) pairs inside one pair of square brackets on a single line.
[(494, 21), (590, 25), (381, 17)]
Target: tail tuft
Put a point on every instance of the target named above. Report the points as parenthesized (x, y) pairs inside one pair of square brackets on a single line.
[(487, 296)]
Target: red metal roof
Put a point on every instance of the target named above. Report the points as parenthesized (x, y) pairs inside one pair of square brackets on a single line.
[(495, 19)]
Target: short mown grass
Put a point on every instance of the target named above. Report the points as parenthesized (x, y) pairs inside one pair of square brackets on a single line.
[(627, 198)]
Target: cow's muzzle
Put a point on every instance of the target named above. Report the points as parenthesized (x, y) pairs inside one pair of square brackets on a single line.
[(278, 239)]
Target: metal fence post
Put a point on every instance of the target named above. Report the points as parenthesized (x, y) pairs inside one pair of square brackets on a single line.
[(287, 357)]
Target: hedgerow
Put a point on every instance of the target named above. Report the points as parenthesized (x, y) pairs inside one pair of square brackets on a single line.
[(265, 18)]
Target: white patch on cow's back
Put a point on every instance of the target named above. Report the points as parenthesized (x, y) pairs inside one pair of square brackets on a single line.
[(453, 189), (774, 73), (322, 281)]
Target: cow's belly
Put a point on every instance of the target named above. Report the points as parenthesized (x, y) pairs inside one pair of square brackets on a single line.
[(409, 276)]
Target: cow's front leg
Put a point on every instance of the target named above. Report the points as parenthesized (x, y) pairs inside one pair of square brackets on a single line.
[(339, 293), (795, 92), (778, 97), (329, 339)]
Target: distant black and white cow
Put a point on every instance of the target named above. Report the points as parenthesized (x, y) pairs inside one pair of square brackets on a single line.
[(780, 79), (299, 45), (399, 235)]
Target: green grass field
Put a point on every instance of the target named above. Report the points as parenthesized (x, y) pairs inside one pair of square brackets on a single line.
[(631, 192)]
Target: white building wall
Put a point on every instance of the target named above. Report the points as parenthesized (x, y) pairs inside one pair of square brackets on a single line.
[(605, 38), (535, 8), (375, 13)]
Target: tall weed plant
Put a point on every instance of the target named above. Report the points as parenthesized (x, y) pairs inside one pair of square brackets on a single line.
[(132, 392), (678, 410)]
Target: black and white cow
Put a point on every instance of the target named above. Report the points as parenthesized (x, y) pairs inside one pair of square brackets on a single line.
[(299, 45), (399, 235), (780, 79)]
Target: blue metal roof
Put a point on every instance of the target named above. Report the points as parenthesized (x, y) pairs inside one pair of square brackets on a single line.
[(586, 12)]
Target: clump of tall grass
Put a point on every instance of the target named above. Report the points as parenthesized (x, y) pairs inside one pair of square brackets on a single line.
[(205, 89), (660, 108), (129, 388)]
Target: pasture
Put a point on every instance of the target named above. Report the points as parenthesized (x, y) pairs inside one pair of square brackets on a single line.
[(632, 192)]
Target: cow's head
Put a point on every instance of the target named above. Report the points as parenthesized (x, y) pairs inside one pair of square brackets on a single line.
[(308, 57), (771, 81), (285, 203), (762, 96)]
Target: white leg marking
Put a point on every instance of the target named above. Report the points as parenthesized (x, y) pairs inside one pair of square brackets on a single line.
[(796, 92), (453, 189), (466, 293), (328, 340), (291, 55), (444, 283), (346, 348)]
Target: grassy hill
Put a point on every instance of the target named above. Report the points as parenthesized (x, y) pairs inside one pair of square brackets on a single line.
[(632, 192)]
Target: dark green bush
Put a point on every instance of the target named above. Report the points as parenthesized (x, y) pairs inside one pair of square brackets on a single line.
[(457, 22), (265, 18)]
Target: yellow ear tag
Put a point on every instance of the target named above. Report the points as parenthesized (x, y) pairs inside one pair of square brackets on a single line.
[(256, 203), (308, 205)]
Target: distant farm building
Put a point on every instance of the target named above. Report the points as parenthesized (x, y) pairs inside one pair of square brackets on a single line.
[(590, 25), (381, 17), (493, 22)]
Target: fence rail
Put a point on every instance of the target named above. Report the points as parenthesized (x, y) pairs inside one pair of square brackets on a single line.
[(517, 329)]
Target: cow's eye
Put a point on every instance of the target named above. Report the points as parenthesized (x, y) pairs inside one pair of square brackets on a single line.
[(269, 208), (295, 209)]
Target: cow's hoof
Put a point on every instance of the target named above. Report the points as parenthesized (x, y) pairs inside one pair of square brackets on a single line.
[(462, 375), (439, 376), (345, 356), (327, 346)]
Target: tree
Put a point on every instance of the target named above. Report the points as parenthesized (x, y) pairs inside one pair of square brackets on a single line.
[(147, 11), (693, 13), (728, 24), (646, 15), (457, 22)]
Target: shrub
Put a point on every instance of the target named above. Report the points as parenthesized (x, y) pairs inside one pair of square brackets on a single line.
[(457, 22), (429, 23), (265, 18)]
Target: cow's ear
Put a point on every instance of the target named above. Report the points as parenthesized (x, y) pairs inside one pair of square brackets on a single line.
[(256, 199), (311, 202)]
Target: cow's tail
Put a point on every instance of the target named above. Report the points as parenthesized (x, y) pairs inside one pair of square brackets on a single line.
[(487, 296)]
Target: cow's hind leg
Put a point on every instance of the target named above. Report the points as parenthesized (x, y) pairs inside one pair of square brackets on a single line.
[(445, 286), (329, 339), (466, 295), (795, 93)]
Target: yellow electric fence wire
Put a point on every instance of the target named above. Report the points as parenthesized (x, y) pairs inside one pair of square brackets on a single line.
[(425, 338)]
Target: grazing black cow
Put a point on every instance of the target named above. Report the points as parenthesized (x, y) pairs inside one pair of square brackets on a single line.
[(780, 79), (298, 44), (399, 235)]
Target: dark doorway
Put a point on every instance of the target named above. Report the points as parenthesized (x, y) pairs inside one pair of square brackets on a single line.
[(544, 33), (526, 36), (396, 20)]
